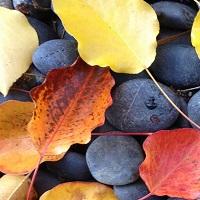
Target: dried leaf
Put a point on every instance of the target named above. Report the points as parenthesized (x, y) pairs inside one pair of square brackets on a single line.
[(17, 153), (195, 34), (69, 105), (15, 188), (80, 190), (18, 40), (124, 40), (172, 163)]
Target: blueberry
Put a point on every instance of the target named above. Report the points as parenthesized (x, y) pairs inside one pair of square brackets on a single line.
[(174, 15), (72, 167), (62, 33), (194, 108), (114, 160), (133, 191), (15, 95), (138, 106), (44, 31), (45, 181), (175, 198), (54, 54), (177, 66), (6, 4), (30, 79)]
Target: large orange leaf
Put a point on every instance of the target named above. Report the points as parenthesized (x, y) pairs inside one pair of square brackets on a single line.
[(172, 164), (17, 152), (80, 190), (69, 105)]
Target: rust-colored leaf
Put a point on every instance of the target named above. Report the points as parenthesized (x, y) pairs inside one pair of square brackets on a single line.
[(17, 153), (172, 164), (80, 191), (69, 105)]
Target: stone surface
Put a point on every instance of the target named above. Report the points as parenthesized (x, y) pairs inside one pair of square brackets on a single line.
[(114, 160), (138, 106)]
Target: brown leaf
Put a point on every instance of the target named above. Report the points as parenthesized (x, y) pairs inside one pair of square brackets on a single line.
[(69, 105)]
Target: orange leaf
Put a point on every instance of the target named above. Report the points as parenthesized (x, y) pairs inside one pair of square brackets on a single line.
[(80, 190), (17, 153), (172, 164), (69, 105)]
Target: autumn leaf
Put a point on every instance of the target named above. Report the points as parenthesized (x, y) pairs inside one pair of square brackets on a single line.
[(80, 190), (15, 188), (124, 40), (69, 105), (18, 40), (195, 34), (172, 163), (17, 153)]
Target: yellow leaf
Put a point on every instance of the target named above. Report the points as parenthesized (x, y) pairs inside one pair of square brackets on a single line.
[(80, 191), (18, 41), (195, 34), (14, 188), (116, 33)]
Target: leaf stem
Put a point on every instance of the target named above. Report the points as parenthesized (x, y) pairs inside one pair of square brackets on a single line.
[(171, 38), (145, 197), (119, 133), (170, 101), (189, 89)]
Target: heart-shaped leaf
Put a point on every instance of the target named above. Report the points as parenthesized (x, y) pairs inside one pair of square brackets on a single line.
[(172, 163), (115, 33)]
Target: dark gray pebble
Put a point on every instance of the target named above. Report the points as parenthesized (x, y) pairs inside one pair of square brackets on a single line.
[(6, 4), (45, 181), (54, 54), (138, 106), (133, 191), (177, 66), (194, 108), (72, 167), (174, 15), (114, 160), (15, 95), (44, 31)]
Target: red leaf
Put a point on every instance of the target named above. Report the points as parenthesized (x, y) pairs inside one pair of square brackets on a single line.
[(172, 164)]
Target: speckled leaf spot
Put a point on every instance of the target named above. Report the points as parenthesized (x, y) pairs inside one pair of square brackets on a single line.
[(69, 105), (80, 191), (172, 165)]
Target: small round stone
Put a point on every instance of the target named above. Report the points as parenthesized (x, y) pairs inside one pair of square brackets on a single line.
[(194, 108), (133, 191), (174, 15), (114, 160), (54, 54), (72, 167), (177, 66), (138, 106)]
